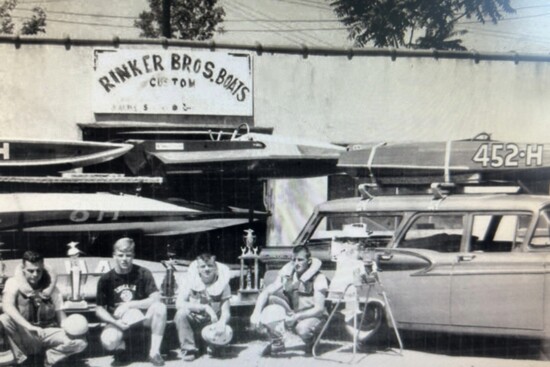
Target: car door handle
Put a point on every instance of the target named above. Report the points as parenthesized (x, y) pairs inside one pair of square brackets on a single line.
[(466, 257), (385, 257)]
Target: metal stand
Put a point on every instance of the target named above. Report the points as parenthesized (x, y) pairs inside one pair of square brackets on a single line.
[(372, 281)]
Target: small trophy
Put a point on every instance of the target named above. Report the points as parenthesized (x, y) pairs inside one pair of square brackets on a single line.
[(75, 273), (249, 240)]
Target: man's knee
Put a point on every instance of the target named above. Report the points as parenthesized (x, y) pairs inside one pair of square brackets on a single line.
[(158, 310), (307, 330), (111, 338)]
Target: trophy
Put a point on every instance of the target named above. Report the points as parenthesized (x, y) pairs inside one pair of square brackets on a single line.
[(248, 282), (169, 285), (76, 268), (249, 240)]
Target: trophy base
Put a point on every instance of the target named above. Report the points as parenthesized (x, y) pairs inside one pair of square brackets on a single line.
[(78, 305)]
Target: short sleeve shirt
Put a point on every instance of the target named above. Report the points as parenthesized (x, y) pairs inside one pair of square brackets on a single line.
[(205, 298), (114, 289)]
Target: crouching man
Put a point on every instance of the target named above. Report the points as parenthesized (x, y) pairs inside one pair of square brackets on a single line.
[(123, 291), (32, 317), (301, 289), (203, 309)]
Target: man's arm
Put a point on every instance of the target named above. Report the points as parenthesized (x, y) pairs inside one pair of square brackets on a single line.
[(183, 301), (105, 316), (320, 289), (139, 304), (263, 297), (225, 312), (10, 308)]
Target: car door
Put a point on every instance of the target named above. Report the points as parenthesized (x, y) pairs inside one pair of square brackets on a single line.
[(496, 283), (416, 272)]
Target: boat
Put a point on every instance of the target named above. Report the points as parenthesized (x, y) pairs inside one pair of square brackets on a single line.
[(255, 155), (34, 157), (476, 160), (104, 212)]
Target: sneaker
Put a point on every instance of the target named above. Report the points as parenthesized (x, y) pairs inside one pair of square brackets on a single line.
[(156, 360), (273, 348), (188, 355), (120, 358), (214, 352)]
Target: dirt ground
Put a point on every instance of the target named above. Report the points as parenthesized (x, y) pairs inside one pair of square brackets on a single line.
[(421, 349)]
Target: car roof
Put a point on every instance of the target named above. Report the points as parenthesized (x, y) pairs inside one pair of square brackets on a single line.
[(460, 202)]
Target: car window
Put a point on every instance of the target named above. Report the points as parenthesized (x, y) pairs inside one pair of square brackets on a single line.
[(436, 232), (370, 230), (498, 232), (541, 237)]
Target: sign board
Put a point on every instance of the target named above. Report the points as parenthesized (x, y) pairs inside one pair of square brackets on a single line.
[(172, 82)]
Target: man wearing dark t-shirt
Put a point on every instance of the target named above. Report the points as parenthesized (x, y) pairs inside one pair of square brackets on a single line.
[(122, 290)]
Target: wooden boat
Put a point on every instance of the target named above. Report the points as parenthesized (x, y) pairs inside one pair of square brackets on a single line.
[(248, 155), (478, 159), (32, 157), (102, 212)]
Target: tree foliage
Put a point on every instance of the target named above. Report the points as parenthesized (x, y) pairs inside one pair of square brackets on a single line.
[(189, 19), (393, 23), (36, 24)]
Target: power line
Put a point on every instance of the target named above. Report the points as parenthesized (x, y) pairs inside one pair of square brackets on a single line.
[(79, 23), (256, 12), (286, 30), (246, 12), (81, 14)]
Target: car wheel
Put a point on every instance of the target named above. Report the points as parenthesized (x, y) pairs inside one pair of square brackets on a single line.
[(373, 326)]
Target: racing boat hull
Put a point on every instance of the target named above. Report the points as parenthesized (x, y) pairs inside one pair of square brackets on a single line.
[(250, 155), (461, 160), (33, 157), (101, 212)]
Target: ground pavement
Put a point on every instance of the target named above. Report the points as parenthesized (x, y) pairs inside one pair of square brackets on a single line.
[(421, 350)]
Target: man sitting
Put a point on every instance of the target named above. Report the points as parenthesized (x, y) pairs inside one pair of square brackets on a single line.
[(302, 289), (32, 317), (125, 288), (203, 300)]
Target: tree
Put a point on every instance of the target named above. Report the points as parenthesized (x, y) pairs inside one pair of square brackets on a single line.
[(392, 23), (190, 19), (36, 24)]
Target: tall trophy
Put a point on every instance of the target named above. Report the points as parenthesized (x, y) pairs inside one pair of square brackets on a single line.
[(76, 267), (169, 285), (248, 285)]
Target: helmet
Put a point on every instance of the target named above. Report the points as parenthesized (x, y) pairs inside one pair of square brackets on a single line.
[(210, 335), (75, 325)]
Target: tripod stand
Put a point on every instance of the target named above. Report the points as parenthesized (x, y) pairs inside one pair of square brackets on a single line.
[(363, 288)]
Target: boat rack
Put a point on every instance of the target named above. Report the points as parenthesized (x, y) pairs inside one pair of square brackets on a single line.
[(83, 179)]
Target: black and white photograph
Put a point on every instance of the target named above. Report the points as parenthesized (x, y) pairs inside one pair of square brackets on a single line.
[(274, 182)]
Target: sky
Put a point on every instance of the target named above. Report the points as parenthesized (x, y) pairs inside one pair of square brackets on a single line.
[(285, 22)]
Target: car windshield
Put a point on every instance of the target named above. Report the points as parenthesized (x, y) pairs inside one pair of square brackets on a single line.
[(541, 237), (376, 230)]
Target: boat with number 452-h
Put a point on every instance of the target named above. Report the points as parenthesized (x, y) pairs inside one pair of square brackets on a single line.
[(469, 160)]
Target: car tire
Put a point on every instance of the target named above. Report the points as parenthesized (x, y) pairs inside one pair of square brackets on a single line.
[(374, 327)]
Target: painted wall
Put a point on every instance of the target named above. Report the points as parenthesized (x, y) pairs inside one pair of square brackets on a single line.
[(45, 90)]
